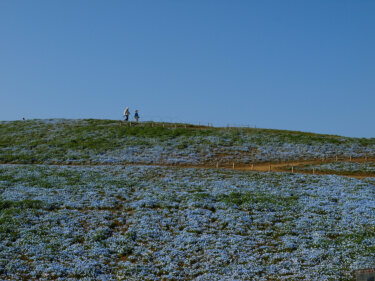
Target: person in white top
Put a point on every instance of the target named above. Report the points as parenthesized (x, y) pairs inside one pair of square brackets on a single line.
[(126, 113)]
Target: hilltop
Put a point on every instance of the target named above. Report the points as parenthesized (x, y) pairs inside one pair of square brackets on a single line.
[(111, 141)]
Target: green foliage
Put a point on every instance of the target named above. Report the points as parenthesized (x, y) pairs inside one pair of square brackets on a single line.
[(124, 250), (249, 199), (37, 141), (102, 234), (9, 210), (202, 195), (131, 235), (46, 178), (366, 142), (126, 247), (24, 204), (160, 132), (364, 232)]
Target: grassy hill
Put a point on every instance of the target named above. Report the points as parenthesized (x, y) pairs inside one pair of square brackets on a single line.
[(150, 222), (109, 141)]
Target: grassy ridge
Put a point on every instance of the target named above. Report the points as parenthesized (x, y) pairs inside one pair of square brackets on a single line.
[(37, 141)]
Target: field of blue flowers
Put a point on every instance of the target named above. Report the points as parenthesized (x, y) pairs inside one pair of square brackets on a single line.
[(83, 200), (153, 223)]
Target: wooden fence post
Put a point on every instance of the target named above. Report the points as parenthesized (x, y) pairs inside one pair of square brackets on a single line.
[(233, 165), (217, 164), (252, 167)]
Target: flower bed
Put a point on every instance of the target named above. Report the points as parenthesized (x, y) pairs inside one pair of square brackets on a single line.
[(153, 223)]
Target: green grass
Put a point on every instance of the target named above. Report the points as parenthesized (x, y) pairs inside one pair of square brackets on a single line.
[(202, 195), (10, 212), (56, 177), (263, 200), (364, 232), (24, 204), (42, 177), (37, 141)]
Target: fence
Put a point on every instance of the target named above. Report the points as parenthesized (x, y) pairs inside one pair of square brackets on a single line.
[(170, 122)]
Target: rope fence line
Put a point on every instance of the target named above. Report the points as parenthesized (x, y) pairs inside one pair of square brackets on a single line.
[(253, 167), (166, 122), (290, 165), (163, 125), (197, 125)]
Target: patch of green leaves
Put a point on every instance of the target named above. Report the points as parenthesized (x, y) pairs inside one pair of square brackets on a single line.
[(265, 200), (9, 215)]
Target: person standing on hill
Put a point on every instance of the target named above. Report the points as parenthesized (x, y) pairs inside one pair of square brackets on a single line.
[(126, 113), (136, 116)]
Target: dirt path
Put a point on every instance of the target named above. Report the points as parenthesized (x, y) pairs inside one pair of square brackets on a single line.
[(283, 167), (292, 167)]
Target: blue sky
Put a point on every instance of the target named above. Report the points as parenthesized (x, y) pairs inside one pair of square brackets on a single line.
[(297, 65)]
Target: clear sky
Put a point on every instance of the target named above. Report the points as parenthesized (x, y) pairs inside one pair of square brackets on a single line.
[(300, 65)]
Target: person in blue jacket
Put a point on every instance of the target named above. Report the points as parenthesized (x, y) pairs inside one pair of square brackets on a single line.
[(136, 116)]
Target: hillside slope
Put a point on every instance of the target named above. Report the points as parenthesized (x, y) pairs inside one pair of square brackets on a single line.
[(109, 141), (156, 222)]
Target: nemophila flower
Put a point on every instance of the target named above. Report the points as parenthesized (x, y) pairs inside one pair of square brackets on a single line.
[(151, 223), (187, 147)]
